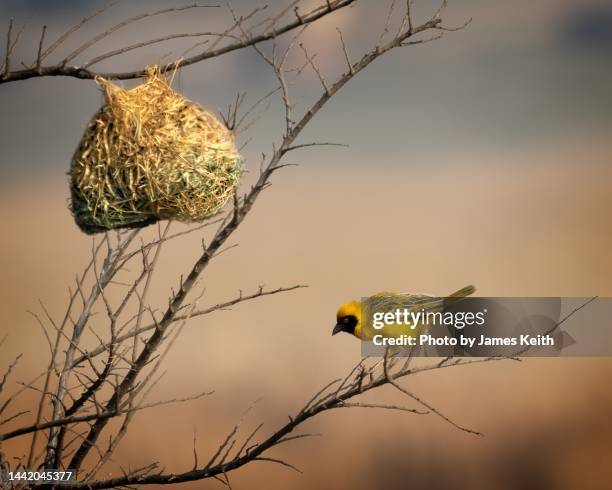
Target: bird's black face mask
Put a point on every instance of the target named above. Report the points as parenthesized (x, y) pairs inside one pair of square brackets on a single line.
[(345, 324)]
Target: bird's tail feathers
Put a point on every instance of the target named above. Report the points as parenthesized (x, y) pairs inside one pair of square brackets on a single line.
[(458, 295), (463, 292)]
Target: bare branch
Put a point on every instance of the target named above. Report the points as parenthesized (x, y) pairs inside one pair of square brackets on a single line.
[(281, 435), (120, 25), (75, 28), (11, 398), (13, 417), (8, 371), (310, 60), (40, 45), (428, 406), (63, 69), (142, 44), (93, 416), (279, 461), (218, 307), (7, 57), (308, 145), (345, 52)]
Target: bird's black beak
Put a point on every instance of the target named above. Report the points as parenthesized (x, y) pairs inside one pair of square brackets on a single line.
[(340, 327)]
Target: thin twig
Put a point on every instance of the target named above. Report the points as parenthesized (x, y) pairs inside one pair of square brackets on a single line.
[(62, 69), (88, 44)]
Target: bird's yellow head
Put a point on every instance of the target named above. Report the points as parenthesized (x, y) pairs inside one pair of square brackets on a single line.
[(348, 319)]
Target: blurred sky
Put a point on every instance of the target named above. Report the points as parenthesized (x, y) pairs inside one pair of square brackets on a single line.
[(481, 158)]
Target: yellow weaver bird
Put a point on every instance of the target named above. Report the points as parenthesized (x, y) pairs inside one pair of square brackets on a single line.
[(349, 316)]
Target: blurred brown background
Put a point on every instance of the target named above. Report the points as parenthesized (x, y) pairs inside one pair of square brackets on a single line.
[(482, 158)]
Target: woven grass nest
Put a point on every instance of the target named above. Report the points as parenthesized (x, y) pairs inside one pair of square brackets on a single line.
[(151, 154)]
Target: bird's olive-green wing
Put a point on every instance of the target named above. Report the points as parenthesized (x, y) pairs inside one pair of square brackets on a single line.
[(387, 301)]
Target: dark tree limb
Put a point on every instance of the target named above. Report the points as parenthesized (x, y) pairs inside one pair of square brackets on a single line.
[(82, 72)]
